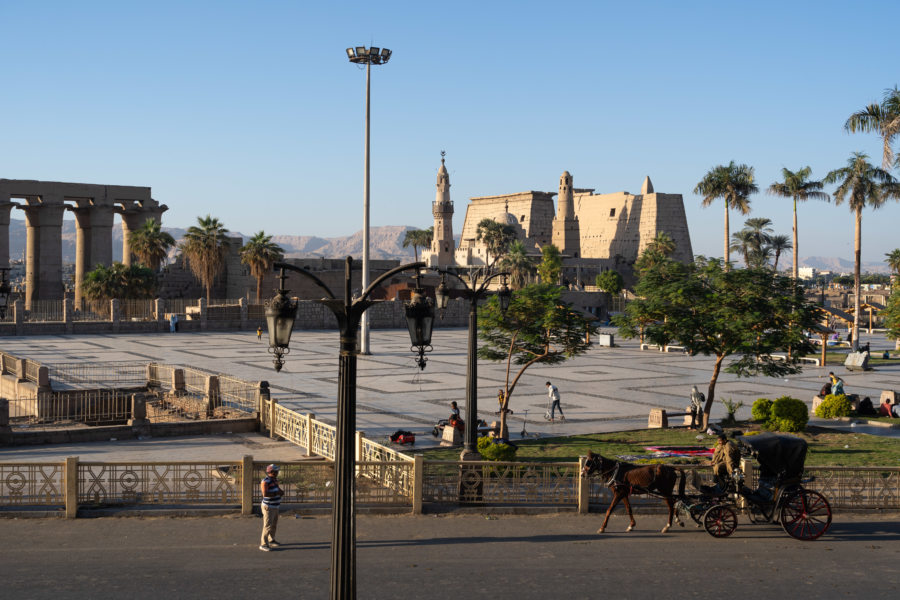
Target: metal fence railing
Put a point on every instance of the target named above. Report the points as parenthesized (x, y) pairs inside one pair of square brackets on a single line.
[(45, 310), (32, 484), (161, 375), (32, 368), (8, 362), (195, 381), (124, 374), (237, 393), (211, 483), (59, 409), (137, 310)]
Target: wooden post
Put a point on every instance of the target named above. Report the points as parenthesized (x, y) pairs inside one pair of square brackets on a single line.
[(71, 487), (247, 485), (584, 488), (418, 480)]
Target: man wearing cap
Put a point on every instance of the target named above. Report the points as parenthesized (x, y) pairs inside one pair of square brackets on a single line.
[(271, 500), (725, 460)]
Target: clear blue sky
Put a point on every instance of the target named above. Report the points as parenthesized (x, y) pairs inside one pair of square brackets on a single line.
[(251, 111)]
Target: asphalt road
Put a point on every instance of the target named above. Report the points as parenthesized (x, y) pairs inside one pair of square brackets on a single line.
[(444, 556)]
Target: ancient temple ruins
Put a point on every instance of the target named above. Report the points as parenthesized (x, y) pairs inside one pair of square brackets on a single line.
[(594, 232), (94, 207)]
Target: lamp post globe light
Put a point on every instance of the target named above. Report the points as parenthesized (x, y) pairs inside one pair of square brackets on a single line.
[(474, 290), (367, 56), (281, 312)]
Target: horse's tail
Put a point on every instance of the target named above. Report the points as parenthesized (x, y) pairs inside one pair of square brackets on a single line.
[(681, 483)]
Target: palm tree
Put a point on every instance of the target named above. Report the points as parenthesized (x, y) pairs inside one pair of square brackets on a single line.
[(496, 237), (863, 185), (742, 243), (204, 248), (150, 244), (797, 185), (732, 183), (883, 119), (260, 253), (662, 243), (893, 260), (778, 244), (760, 234), (418, 238), (518, 263)]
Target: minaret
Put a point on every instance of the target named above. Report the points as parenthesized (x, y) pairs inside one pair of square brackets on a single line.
[(442, 245), (565, 226)]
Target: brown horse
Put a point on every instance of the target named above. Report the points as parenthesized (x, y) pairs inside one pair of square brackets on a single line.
[(624, 478)]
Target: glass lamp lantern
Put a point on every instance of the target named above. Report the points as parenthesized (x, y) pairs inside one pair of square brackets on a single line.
[(281, 311), (420, 321)]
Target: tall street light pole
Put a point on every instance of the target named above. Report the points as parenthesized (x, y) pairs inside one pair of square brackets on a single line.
[(369, 57), (281, 312), (474, 291)]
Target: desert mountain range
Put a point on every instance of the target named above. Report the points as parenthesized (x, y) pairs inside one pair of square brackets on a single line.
[(384, 243)]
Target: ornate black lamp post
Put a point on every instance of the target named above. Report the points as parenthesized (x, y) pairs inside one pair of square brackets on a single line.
[(5, 290), (280, 314), (475, 290)]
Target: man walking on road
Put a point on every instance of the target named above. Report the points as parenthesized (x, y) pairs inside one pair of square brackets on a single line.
[(271, 500), (553, 393)]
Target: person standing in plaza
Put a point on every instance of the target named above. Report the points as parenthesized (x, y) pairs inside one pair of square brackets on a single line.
[(258, 333), (271, 500), (553, 393)]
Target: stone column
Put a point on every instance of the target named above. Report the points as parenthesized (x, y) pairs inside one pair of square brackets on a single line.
[(5, 207), (82, 248), (100, 251), (43, 260), (132, 219)]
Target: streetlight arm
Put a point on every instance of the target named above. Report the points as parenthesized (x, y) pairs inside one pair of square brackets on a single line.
[(481, 287), (305, 273), (389, 274)]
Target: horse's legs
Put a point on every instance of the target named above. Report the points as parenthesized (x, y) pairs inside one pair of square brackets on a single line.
[(630, 515), (671, 504), (612, 505)]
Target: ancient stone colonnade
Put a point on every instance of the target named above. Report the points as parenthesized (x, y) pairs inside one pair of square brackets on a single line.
[(94, 206)]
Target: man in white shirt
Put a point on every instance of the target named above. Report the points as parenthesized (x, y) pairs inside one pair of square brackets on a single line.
[(553, 393)]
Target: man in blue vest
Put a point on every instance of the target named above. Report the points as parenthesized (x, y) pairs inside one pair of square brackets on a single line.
[(271, 500)]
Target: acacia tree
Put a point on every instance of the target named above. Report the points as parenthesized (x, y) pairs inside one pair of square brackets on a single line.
[(496, 237), (260, 253), (150, 244), (732, 183), (204, 248), (551, 264), (538, 327), (799, 187), (418, 238), (610, 282), (862, 185), (746, 314)]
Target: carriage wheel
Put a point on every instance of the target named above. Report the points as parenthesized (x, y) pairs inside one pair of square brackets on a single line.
[(720, 521), (805, 515)]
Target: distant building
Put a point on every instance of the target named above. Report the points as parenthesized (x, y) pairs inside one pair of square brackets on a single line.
[(594, 232), (806, 272)]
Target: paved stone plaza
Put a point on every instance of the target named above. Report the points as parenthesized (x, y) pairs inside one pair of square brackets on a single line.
[(608, 389)]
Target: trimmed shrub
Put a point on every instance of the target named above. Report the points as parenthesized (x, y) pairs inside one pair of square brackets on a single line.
[(788, 414), (834, 406), (762, 410), (489, 449)]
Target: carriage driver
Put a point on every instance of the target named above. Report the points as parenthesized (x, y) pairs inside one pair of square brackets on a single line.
[(725, 461)]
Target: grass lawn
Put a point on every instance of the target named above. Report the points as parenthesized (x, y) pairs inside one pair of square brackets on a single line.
[(826, 447), (838, 358)]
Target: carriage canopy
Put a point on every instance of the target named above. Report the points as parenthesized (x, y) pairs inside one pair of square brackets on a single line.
[(778, 454)]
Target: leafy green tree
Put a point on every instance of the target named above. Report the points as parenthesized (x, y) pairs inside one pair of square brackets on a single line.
[(150, 244), (892, 318), (133, 282), (519, 265), (862, 185), (883, 119), (663, 244), (418, 238), (496, 237), (538, 328), (204, 247), (893, 260), (732, 183), (746, 314), (260, 253), (610, 282), (551, 265), (797, 186)]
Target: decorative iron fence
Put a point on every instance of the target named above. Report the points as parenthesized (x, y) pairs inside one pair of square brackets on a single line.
[(159, 483), (32, 484), (32, 368), (501, 483)]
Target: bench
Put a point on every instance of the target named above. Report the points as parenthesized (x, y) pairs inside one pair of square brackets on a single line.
[(659, 418), (648, 346), (675, 348), (803, 359)]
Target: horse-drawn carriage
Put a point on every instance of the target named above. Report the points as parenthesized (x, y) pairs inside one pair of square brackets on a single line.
[(779, 496)]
